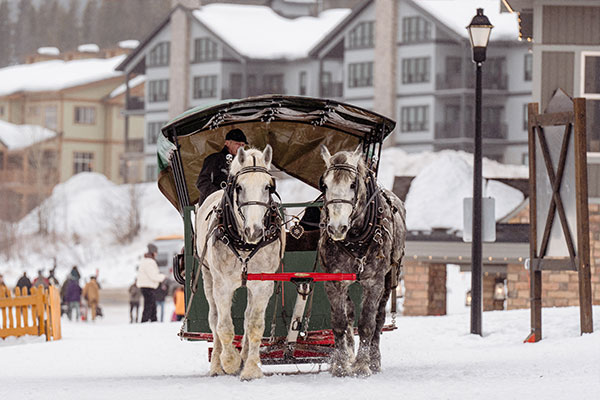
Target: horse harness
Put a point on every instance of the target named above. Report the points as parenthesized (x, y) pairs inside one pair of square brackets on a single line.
[(358, 238), (227, 228)]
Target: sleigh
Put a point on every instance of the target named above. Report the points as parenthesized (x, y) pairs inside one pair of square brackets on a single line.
[(297, 321)]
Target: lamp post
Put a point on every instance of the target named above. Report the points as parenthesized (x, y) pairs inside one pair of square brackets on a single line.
[(479, 34)]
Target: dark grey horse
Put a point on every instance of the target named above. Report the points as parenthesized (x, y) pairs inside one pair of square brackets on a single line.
[(362, 231)]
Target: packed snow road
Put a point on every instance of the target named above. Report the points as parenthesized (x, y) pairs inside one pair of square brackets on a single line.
[(426, 358)]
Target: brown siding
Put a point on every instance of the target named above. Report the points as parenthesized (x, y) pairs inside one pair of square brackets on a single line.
[(571, 25), (557, 72)]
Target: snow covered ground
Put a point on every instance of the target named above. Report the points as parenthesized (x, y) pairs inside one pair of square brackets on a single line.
[(426, 358)]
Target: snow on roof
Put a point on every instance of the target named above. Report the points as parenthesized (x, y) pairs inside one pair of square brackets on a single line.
[(132, 83), (259, 32), (88, 48), (17, 137), (457, 14), (56, 74), (129, 44), (50, 51)]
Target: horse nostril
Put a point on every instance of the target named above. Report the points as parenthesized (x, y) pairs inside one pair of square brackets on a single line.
[(330, 229), (247, 232), (343, 228)]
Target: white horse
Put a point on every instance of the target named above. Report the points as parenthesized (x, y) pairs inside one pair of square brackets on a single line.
[(248, 199)]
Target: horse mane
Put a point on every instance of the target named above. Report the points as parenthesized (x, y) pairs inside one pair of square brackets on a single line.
[(253, 157), (342, 157)]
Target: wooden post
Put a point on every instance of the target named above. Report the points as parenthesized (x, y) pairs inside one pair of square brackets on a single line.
[(535, 275), (583, 230)]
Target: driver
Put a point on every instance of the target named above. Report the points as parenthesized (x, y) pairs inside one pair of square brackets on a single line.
[(216, 166)]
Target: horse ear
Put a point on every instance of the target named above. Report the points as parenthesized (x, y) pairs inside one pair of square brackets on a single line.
[(325, 155), (268, 155), (358, 150), (241, 155)]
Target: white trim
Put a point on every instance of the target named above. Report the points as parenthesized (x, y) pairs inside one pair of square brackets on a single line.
[(592, 96)]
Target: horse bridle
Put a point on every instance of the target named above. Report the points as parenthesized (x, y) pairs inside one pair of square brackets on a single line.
[(247, 170), (341, 167)]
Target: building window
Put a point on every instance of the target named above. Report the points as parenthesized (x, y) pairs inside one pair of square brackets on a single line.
[(415, 29), (159, 55), (591, 75), (153, 130), (360, 74), (151, 173), (362, 36), (82, 162), (205, 86), (302, 85), (528, 67), (85, 115), (273, 83), (415, 119), (205, 50), (415, 70), (525, 114), (51, 117), (158, 90)]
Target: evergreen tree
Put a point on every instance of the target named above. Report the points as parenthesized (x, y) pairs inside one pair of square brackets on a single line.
[(48, 23), (5, 34), (69, 33), (26, 30), (89, 22)]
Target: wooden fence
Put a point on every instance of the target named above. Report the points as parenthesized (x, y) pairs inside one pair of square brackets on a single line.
[(34, 313)]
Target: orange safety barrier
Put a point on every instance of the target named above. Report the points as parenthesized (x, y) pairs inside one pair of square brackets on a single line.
[(35, 313)]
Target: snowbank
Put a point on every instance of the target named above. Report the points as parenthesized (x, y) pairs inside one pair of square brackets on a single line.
[(259, 32), (17, 137)]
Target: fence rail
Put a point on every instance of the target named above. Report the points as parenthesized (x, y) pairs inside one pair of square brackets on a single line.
[(34, 313)]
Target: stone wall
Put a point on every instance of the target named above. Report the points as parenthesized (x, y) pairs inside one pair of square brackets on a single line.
[(425, 288)]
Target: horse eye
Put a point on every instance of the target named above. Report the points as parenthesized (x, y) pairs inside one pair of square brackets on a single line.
[(353, 186), (238, 188), (267, 187)]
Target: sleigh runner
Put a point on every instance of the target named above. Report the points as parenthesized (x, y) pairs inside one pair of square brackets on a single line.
[(297, 319)]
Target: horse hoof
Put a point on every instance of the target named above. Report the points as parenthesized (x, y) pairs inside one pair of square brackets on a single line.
[(216, 371), (362, 371), (231, 364), (251, 372), (340, 371)]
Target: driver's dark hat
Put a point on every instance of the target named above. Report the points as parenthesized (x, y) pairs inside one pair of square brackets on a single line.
[(236, 135)]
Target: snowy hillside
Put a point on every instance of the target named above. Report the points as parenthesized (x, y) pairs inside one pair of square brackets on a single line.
[(88, 213)]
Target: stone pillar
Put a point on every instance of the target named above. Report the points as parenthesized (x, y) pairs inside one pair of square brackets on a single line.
[(384, 69), (425, 289), (517, 282), (179, 63)]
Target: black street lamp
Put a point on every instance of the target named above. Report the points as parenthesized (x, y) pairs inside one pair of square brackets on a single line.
[(479, 34)]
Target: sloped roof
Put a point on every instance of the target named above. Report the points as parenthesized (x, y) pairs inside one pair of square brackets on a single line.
[(16, 137), (56, 75), (259, 32)]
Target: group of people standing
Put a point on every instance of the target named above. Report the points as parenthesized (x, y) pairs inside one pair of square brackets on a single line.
[(71, 293)]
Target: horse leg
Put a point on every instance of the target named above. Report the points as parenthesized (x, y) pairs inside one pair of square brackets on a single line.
[(215, 359), (340, 358), (246, 319), (372, 292), (350, 329), (230, 357), (255, 327), (375, 355)]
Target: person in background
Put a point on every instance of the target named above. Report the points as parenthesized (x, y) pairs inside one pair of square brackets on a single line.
[(179, 300), (91, 292), (72, 297), (75, 272), (216, 166), (2, 284), (160, 294), (148, 279), (24, 282), (40, 280), (134, 302), (52, 278)]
